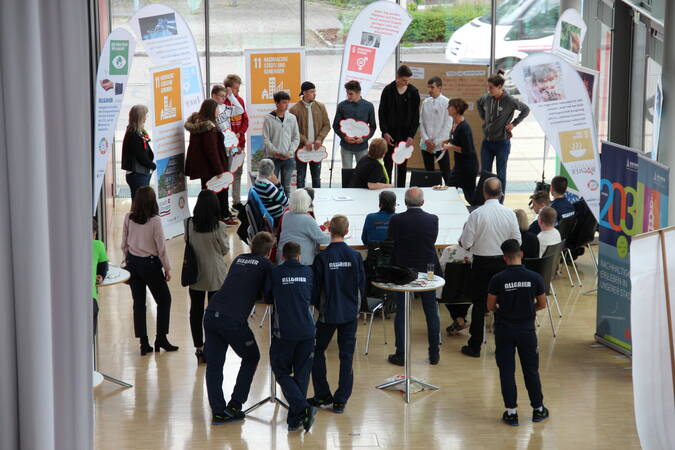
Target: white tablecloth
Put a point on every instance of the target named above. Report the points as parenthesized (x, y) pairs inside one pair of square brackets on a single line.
[(356, 204)]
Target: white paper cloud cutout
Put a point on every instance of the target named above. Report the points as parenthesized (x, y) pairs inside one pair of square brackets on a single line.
[(402, 153), (236, 162), (216, 184), (354, 128), (317, 155), (231, 139)]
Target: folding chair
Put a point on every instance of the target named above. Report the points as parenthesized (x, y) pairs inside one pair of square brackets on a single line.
[(379, 253), (565, 227), (545, 266), (555, 251)]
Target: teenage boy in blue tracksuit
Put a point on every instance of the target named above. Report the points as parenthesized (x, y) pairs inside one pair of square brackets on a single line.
[(340, 286), (225, 325), (511, 296), (292, 348)]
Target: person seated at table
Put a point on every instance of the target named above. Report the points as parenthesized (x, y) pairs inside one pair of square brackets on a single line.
[(538, 200), (269, 189), (376, 226), (530, 243), (370, 172), (299, 227), (549, 235), (99, 269)]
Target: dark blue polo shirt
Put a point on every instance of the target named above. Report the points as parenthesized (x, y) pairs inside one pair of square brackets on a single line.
[(291, 292), (340, 283), (245, 280), (516, 289), (563, 207)]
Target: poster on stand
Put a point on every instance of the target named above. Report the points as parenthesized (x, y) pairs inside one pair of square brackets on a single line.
[(556, 94), (111, 82), (569, 36), (656, 126), (166, 37), (168, 136), (372, 39), (633, 200), (465, 81), (269, 71)]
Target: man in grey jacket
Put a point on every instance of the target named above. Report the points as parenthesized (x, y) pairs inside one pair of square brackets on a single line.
[(281, 138), (496, 109)]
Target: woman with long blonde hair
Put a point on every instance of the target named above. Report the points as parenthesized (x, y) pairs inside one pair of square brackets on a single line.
[(137, 156)]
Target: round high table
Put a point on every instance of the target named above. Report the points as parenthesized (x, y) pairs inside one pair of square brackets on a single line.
[(115, 275), (421, 284)]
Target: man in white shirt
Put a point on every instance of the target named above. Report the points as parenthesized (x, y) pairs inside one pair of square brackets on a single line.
[(548, 235), (435, 125), (484, 232)]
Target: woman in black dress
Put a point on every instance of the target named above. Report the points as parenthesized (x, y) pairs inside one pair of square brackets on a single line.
[(465, 170)]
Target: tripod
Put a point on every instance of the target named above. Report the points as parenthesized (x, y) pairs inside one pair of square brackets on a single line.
[(272, 397)]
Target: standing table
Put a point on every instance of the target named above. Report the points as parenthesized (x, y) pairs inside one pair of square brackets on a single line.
[(419, 285), (115, 275)]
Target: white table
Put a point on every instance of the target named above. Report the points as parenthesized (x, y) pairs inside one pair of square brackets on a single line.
[(356, 204), (422, 284), (115, 275)]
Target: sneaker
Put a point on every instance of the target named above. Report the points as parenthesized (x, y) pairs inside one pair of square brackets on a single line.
[(510, 419), (339, 407), (468, 351), (308, 418), (538, 416), (219, 418), (230, 222), (320, 403), (396, 359), (236, 414), (434, 359), (293, 427)]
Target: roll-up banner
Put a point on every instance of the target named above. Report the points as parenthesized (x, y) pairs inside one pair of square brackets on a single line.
[(177, 92), (556, 94), (372, 39), (111, 83), (269, 71), (653, 344), (633, 200), (169, 138), (465, 81)]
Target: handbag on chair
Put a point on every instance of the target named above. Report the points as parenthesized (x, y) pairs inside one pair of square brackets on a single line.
[(190, 270)]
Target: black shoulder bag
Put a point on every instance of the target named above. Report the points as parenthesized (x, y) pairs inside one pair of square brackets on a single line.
[(190, 270)]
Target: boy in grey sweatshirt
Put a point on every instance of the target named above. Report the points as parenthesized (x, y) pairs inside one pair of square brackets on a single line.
[(281, 138)]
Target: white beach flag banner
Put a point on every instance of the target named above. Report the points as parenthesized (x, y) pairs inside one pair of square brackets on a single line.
[(111, 83), (556, 94)]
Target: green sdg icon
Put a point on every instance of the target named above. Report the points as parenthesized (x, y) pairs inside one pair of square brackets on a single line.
[(119, 62), (119, 57), (622, 246)]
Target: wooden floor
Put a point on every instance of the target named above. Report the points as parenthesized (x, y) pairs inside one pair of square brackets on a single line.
[(586, 387)]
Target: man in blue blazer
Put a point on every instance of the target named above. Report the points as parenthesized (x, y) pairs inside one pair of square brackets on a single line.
[(414, 233)]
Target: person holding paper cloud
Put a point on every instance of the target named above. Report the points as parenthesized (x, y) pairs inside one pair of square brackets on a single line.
[(353, 148), (461, 145), (399, 114), (435, 124), (223, 96), (314, 126), (239, 125), (281, 138)]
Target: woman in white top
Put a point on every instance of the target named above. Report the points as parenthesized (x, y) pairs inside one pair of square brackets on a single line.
[(300, 227), (149, 266)]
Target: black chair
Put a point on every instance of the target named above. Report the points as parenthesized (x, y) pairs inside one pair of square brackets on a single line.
[(425, 178), (565, 227), (457, 288), (478, 198), (347, 177), (583, 234), (379, 253), (545, 266), (556, 252)]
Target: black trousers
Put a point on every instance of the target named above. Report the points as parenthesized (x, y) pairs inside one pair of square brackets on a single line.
[(147, 272), (400, 170), (482, 270), (223, 332), (443, 164), (457, 311), (346, 338), (293, 357), (95, 308), (197, 315), (222, 200), (508, 339), (465, 178)]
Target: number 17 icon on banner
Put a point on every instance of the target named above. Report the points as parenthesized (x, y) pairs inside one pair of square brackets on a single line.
[(354, 128)]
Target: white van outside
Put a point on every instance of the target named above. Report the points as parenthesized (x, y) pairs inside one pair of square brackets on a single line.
[(523, 27)]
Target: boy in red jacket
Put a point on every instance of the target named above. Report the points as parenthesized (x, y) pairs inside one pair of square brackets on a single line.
[(239, 125)]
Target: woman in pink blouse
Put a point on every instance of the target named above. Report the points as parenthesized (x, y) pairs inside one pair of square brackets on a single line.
[(148, 263)]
